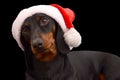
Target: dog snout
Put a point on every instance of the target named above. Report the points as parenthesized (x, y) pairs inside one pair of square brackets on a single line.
[(37, 43)]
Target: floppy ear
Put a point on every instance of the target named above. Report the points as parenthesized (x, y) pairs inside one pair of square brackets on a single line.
[(24, 43), (27, 51), (61, 45)]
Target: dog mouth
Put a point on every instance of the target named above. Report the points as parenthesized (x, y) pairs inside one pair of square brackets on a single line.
[(39, 49), (42, 50), (44, 53)]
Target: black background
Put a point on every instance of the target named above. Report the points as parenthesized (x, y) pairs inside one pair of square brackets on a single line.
[(97, 22)]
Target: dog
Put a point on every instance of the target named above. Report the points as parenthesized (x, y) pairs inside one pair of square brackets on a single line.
[(48, 57)]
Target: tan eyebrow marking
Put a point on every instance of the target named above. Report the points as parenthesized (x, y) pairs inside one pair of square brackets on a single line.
[(25, 24)]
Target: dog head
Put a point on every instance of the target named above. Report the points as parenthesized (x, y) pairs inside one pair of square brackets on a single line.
[(46, 30), (43, 36)]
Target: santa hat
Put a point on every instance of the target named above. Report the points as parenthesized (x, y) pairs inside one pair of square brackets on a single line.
[(63, 16)]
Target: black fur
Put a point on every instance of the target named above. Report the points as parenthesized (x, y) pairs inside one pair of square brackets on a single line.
[(61, 45), (75, 65)]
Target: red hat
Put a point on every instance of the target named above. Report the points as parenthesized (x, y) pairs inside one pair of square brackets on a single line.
[(63, 16), (67, 14)]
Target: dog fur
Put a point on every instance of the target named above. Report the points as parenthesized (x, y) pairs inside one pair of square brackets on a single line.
[(49, 58)]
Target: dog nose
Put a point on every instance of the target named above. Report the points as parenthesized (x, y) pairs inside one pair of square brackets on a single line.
[(37, 43)]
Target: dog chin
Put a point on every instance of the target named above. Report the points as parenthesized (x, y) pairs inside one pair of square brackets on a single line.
[(44, 55)]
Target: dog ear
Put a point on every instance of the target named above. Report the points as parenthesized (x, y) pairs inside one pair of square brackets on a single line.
[(27, 51), (24, 43), (61, 45)]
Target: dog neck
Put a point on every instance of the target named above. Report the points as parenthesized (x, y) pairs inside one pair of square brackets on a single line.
[(57, 69)]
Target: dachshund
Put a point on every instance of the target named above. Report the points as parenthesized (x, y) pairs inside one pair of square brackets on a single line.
[(49, 58)]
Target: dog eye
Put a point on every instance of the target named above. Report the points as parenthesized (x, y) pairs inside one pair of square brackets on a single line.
[(44, 21)]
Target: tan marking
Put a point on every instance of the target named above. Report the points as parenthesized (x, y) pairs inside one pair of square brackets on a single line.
[(102, 77), (26, 24), (37, 18), (54, 29), (49, 46)]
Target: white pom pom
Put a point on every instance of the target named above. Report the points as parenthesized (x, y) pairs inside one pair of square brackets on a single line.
[(72, 38)]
